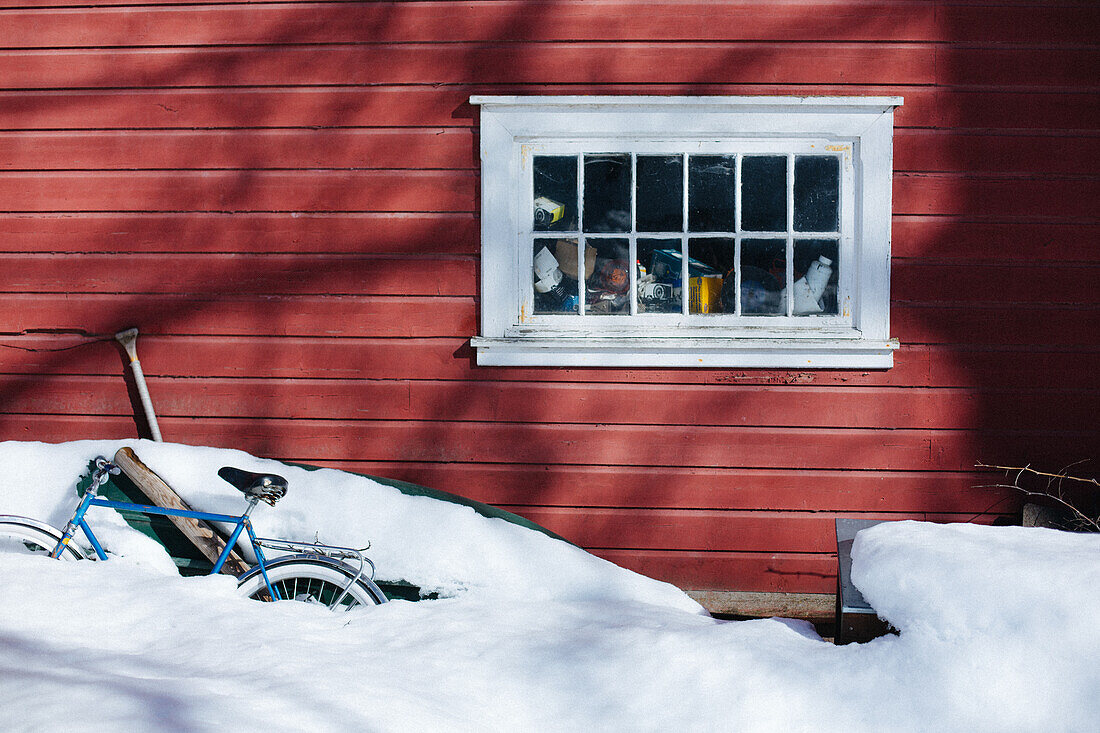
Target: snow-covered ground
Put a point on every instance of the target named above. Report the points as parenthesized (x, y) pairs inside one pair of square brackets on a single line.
[(999, 627)]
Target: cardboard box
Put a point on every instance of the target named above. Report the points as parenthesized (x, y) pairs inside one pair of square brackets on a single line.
[(704, 294)]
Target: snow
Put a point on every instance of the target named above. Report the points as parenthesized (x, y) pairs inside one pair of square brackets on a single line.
[(997, 627)]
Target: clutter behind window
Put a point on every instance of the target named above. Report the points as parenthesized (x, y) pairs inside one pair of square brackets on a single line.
[(750, 235)]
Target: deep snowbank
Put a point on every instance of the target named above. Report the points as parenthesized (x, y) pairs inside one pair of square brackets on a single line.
[(439, 546), (998, 633)]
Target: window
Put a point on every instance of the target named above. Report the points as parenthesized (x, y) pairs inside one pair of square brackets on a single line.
[(686, 231)]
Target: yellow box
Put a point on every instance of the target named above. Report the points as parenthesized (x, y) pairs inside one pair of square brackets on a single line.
[(704, 294)]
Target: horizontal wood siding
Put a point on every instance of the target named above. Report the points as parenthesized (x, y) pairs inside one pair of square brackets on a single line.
[(283, 197)]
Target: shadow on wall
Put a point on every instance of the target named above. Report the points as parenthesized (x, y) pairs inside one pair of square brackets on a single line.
[(250, 260)]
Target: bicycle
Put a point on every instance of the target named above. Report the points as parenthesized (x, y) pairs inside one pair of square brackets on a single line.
[(314, 572)]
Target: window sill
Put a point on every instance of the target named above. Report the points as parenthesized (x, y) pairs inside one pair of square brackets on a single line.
[(686, 352)]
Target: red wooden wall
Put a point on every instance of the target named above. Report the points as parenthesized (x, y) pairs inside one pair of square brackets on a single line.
[(283, 198)]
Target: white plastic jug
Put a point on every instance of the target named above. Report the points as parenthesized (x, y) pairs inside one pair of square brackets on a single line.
[(810, 287)]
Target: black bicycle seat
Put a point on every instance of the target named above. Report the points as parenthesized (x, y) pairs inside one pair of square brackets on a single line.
[(263, 486)]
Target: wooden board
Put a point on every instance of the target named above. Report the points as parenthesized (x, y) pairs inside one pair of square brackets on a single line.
[(285, 357), (166, 24), (433, 106), (417, 233), (919, 150), (494, 63), (204, 537), (563, 403), (630, 445)]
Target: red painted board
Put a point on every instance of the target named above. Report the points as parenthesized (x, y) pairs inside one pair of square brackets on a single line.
[(969, 494), (313, 22), (245, 190), (915, 150), (341, 232), (996, 367), (260, 275), (550, 402), (428, 105), (251, 149), (753, 572), (223, 312), (702, 530), (996, 197), (308, 22), (734, 447), (963, 240), (494, 63), (994, 325)]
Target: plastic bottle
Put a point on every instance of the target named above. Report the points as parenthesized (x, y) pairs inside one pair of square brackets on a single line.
[(810, 287)]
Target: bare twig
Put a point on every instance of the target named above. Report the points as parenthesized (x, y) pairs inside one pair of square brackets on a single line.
[(1054, 490)]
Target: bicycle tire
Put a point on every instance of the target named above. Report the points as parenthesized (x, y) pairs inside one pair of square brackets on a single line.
[(37, 538), (312, 579)]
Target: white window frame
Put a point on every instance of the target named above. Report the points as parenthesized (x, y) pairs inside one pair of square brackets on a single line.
[(513, 129)]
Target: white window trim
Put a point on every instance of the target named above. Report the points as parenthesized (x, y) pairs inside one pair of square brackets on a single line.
[(513, 127)]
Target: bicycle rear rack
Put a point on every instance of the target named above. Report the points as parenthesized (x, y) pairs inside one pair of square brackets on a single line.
[(333, 552)]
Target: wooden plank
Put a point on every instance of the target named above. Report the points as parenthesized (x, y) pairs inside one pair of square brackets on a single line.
[(1025, 23), (468, 21), (421, 233), (433, 106), (250, 149), (316, 191), (915, 150), (996, 367), (311, 441), (221, 311), (996, 197), (964, 240), (459, 63), (1069, 67), (552, 62), (704, 530), (1049, 326), (1023, 283), (200, 533), (929, 151), (262, 275), (551, 402), (968, 493), (309, 22), (764, 571)]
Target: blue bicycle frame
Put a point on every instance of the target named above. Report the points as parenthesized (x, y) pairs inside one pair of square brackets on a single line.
[(241, 523)]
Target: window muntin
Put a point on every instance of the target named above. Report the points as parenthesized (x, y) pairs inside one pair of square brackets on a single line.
[(743, 223)]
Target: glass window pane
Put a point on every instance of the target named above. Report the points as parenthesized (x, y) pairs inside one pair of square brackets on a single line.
[(659, 272), (711, 201), (555, 206), (710, 258), (659, 204), (763, 277), (607, 287), (607, 184), (816, 193), (555, 291), (816, 272), (764, 193)]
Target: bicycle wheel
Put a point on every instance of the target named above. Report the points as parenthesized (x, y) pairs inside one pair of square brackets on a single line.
[(312, 579), (23, 534)]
